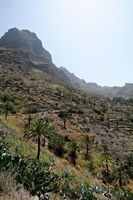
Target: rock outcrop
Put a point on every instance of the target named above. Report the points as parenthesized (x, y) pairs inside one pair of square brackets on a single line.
[(24, 40)]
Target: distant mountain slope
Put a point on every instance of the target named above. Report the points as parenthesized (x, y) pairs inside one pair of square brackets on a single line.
[(125, 91)]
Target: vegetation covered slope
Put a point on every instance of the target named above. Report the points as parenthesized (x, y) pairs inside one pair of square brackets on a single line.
[(87, 153)]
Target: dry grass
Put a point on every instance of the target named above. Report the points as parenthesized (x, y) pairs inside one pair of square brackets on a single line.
[(130, 185), (8, 189)]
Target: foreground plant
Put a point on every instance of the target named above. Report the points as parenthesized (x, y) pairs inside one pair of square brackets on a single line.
[(40, 128)]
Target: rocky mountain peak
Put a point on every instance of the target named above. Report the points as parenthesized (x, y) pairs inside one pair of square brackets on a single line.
[(24, 40)]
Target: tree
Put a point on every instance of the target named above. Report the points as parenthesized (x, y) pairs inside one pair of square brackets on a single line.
[(37, 130), (56, 144), (8, 104), (64, 115), (73, 148), (108, 122), (120, 176), (106, 158), (6, 108), (89, 142), (129, 165), (29, 118), (84, 98)]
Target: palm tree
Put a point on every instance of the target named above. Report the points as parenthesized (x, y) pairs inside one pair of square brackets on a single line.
[(37, 130), (107, 160), (121, 176), (8, 104), (64, 114), (56, 144), (29, 119), (129, 165), (88, 141), (84, 98), (73, 148), (6, 108)]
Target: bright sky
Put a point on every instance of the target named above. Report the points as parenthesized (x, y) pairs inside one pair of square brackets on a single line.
[(91, 38)]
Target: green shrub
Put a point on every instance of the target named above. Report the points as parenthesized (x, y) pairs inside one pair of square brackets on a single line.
[(74, 190), (35, 176), (32, 108)]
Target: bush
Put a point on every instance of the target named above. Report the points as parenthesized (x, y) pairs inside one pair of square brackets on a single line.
[(74, 190), (85, 193), (38, 178), (32, 108), (34, 175)]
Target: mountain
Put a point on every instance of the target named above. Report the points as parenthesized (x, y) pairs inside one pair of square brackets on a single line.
[(125, 91), (24, 40), (24, 47), (80, 83)]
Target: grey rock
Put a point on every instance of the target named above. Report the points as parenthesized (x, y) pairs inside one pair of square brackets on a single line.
[(24, 40)]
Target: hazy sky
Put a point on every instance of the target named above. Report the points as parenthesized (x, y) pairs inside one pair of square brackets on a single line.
[(91, 38)]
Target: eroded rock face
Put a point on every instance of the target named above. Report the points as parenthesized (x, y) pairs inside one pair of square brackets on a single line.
[(24, 40)]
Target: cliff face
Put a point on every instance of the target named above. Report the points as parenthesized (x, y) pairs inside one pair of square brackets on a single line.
[(23, 49), (24, 40)]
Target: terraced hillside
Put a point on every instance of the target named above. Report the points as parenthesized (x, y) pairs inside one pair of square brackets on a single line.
[(57, 141), (102, 128)]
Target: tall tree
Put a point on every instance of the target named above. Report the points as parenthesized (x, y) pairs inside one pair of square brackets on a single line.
[(8, 104), (121, 177), (129, 165), (106, 158), (64, 115), (73, 149), (29, 118), (89, 142), (40, 128)]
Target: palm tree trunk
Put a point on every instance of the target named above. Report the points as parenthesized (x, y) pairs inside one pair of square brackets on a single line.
[(74, 158), (108, 123), (107, 166), (38, 150), (120, 183), (43, 144), (87, 149), (6, 113), (64, 124), (29, 121)]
